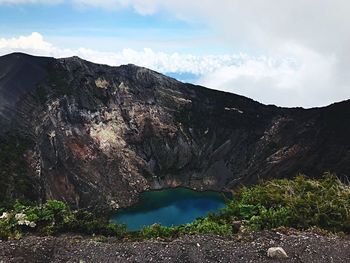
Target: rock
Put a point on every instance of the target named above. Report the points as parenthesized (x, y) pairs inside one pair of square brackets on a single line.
[(276, 252)]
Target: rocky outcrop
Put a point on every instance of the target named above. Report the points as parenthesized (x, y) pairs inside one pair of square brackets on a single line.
[(92, 134)]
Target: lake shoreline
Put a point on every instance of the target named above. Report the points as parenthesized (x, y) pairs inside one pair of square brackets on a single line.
[(169, 207)]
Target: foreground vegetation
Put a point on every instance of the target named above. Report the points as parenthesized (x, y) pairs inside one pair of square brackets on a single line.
[(300, 203)]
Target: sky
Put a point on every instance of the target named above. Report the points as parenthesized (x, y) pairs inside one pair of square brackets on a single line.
[(288, 53)]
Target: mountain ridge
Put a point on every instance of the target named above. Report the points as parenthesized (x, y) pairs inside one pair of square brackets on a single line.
[(21, 54)]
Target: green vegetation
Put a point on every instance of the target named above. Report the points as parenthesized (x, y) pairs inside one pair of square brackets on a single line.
[(203, 225), (53, 217), (300, 203)]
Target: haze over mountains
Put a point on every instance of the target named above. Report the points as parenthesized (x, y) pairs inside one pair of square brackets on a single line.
[(92, 134)]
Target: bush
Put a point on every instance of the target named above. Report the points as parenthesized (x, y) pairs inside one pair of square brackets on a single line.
[(208, 225), (157, 230), (51, 218), (300, 203), (203, 225)]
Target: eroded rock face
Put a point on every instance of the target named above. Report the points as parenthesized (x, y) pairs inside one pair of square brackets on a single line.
[(92, 135)]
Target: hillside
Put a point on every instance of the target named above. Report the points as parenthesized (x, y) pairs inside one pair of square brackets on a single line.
[(94, 135)]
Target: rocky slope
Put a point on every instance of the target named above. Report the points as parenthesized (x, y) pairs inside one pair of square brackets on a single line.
[(92, 134), (300, 247)]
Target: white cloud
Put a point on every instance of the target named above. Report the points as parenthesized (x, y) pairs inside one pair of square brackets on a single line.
[(164, 62), (306, 81), (315, 33), (33, 44)]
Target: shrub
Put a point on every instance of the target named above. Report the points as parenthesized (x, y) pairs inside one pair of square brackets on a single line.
[(51, 218), (157, 230), (300, 203), (208, 225)]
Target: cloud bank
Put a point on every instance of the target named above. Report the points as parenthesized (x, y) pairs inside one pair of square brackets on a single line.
[(35, 44), (271, 80)]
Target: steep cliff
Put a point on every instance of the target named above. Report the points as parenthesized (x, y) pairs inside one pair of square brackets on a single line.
[(92, 134)]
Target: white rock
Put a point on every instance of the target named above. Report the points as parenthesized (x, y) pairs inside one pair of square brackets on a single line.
[(276, 252)]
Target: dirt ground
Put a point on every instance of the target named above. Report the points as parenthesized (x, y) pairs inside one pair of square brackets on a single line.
[(300, 246)]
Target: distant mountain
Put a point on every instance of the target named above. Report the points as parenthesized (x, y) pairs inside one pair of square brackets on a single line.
[(92, 134)]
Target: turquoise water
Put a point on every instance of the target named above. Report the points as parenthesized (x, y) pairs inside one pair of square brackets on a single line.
[(169, 207)]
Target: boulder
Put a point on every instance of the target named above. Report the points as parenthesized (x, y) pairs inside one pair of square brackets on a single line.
[(276, 252)]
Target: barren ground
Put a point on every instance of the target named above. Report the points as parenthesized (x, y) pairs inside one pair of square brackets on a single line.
[(300, 247)]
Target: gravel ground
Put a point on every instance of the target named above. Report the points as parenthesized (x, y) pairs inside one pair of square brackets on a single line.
[(300, 247)]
